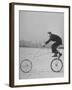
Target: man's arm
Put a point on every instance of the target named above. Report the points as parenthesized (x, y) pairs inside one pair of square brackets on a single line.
[(47, 41)]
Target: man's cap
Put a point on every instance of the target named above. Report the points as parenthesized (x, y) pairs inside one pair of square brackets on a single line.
[(49, 32)]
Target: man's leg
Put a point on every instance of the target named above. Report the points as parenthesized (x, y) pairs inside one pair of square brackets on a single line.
[(54, 49), (57, 44)]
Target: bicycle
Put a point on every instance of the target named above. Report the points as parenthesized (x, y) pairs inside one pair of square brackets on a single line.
[(56, 64)]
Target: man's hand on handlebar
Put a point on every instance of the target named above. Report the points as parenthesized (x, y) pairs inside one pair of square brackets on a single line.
[(43, 45)]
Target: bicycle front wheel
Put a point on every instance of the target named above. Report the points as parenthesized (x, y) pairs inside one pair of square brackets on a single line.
[(56, 65)]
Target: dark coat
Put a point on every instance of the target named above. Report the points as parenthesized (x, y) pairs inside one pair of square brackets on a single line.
[(54, 38)]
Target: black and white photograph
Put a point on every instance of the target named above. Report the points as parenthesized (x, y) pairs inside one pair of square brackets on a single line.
[(41, 44)]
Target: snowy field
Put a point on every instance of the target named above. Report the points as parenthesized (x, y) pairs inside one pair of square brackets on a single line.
[(41, 60)]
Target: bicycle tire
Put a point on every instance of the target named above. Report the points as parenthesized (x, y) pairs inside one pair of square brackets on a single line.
[(28, 67), (59, 61)]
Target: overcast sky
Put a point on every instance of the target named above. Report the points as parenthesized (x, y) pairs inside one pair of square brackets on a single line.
[(34, 25)]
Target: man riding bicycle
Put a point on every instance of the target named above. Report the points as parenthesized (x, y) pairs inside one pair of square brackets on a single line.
[(58, 41)]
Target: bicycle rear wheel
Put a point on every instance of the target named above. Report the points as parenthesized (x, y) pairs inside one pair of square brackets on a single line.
[(26, 66)]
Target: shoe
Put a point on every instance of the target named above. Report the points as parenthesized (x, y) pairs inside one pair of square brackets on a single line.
[(55, 55), (60, 54)]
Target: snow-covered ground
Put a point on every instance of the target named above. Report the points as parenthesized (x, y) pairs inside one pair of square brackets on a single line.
[(41, 59)]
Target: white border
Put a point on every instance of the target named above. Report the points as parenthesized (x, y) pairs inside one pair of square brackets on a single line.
[(16, 45)]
